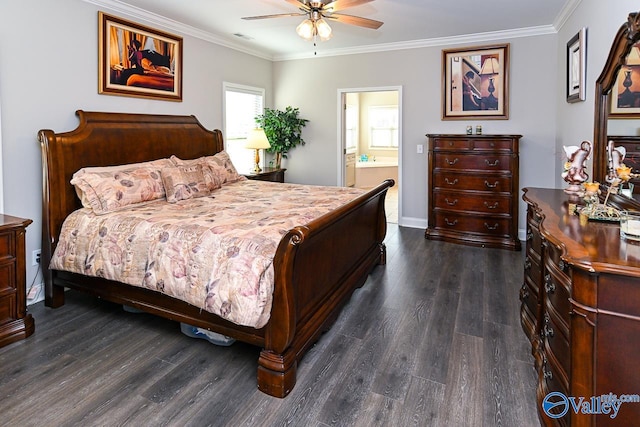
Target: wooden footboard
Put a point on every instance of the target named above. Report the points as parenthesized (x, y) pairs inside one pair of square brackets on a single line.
[(317, 267)]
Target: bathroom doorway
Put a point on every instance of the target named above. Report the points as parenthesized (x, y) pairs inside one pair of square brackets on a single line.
[(370, 142)]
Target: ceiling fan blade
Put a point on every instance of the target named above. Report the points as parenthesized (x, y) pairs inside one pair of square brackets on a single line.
[(337, 5), (279, 15), (356, 20), (301, 4)]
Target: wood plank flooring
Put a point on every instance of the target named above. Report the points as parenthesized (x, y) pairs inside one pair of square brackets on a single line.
[(432, 339)]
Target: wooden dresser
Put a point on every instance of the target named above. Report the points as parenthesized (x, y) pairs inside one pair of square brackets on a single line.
[(473, 190), (15, 322), (580, 308)]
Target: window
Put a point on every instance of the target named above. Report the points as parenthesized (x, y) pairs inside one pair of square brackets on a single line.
[(241, 105), (383, 127), (351, 127)]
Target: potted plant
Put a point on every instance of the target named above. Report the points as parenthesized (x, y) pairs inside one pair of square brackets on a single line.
[(283, 130)]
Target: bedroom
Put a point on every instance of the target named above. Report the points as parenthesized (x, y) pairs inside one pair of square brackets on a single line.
[(48, 68)]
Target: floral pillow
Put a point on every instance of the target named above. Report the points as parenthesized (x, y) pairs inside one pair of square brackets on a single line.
[(186, 182), (111, 188), (219, 164)]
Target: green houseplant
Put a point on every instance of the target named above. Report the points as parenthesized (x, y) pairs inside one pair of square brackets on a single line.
[(283, 130)]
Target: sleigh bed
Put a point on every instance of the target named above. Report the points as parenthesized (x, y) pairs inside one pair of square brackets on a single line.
[(316, 266)]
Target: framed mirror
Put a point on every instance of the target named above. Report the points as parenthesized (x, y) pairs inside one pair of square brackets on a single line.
[(615, 105)]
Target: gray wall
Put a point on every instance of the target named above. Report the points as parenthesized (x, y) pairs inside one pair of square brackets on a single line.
[(575, 121), (313, 84), (48, 69)]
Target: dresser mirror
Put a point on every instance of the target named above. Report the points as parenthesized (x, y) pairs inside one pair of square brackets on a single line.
[(621, 123)]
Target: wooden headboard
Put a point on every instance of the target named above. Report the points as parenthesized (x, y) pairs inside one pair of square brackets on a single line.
[(106, 139)]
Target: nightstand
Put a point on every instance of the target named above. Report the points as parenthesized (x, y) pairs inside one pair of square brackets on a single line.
[(15, 322), (267, 174)]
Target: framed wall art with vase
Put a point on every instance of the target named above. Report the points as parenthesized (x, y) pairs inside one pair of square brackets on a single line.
[(475, 83)]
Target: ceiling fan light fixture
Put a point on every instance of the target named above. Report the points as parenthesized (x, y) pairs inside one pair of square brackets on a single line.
[(306, 29), (323, 29)]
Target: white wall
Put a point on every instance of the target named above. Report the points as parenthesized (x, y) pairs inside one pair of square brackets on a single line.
[(48, 69), (602, 20), (418, 71)]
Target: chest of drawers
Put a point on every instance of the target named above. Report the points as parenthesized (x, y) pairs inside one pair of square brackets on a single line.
[(580, 308), (473, 188), (15, 322)]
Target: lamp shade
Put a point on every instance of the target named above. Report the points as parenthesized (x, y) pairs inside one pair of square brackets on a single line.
[(490, 66), (323, 29), (306, 29), (257, 139)]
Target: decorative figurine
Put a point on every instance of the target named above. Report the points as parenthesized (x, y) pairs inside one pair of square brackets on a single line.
[(615, 157), (574, 168)]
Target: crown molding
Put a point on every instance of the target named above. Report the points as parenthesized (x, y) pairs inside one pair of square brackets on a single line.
[(417, 44), (174, 26), (565, 13), (178, 27)]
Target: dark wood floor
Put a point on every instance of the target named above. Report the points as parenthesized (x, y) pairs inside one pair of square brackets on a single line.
[(432, 339)]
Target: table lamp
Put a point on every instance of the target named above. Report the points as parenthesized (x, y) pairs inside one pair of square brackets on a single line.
[(490, 68), (257, 140)]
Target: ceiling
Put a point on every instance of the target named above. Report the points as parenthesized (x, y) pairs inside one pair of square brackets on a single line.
[(407, 23)]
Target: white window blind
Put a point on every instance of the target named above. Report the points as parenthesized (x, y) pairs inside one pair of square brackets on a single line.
[(241, 105), (383, 127)]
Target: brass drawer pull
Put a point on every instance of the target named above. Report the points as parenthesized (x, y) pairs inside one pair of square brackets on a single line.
[(454, 182), (548, 375), (494, 185), (495, 163), (451, 162), (561, 265), (491, 227), (494, 206), (450, 223), (529, 235), (527, 263), (524, 293), (455, 202)]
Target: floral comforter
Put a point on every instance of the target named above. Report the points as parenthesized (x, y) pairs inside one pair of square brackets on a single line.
[(213, 252)]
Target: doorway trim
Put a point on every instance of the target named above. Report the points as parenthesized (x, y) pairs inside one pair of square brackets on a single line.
[(342, 94)]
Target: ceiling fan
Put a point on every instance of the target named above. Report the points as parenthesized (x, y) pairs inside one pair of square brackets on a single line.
[(318, 11)]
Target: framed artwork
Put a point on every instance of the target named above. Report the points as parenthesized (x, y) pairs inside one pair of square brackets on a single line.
[(134, 60), (576, 66), (625, 93), (475, 83)]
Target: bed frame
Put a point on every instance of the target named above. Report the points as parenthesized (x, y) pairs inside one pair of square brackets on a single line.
[(317, 266)]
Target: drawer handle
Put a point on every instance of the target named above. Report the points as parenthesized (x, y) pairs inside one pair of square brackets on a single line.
[(550, 287), (491, 227), (451, 162), (450, 223), (547, 319), (548, 375), (494, 206), (561, 265), (454, 182), (529, 235), (527, 263), (495, 163), (548, 331), (455, 202), (495, 184), (524, 293)]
